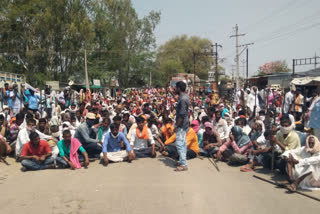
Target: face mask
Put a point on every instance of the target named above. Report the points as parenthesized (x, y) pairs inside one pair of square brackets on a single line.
[(56, 134), (285, 130), (113, 135)]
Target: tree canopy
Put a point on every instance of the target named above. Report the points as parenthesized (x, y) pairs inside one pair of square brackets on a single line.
[(273, 67), (46, 40), (176, 56)]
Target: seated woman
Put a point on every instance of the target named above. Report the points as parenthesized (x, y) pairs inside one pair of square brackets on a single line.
[(211, 141), (303, 165), (192, 146), (255, 154), (236, 148)]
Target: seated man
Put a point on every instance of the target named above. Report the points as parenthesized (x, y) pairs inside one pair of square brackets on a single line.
[(303, 165), (192, 146), (23, 136), (36, 154), (286, 139), (85, 134), (69, 148), (140, 137), (211, 141), (112, 146)]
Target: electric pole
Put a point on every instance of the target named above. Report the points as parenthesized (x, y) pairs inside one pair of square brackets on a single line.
[(217, 63), (86, 70), (237, 53)]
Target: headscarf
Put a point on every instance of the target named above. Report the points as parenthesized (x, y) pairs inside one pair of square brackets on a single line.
[(316, 147), (209, 125), (241, 138), (195, 126)]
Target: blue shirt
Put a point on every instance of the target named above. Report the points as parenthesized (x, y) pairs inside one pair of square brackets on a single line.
[(303, 138), (33, 100), (315, 116), (9, 99), (112, 144)]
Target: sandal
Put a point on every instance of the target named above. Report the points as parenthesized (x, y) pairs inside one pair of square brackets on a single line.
[(181, 168)]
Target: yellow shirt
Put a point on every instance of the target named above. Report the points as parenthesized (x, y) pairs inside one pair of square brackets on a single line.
[(192, 140), (292, 141)]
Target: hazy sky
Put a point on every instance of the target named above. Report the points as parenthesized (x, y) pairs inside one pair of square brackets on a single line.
[(280, 29)]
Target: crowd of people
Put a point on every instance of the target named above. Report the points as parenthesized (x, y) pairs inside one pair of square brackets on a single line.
[(68, 129)]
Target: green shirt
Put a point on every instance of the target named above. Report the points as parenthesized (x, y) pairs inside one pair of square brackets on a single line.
[(65, 151)]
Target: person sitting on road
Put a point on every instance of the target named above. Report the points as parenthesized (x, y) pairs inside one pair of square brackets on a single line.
[(111, 147), (286, 139), (303, 165), (140, 137), (211, 141), (236, 148), (192, 146), (221, 126), (68, 151), (87, 137), (36, 154)]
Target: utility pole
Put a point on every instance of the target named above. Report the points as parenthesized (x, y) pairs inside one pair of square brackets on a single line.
[(247, 66), (217, 64), (315, 61), (237, 53), (194, 74), (86, 70)]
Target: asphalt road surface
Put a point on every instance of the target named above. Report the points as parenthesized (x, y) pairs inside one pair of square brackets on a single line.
[(146, 186)]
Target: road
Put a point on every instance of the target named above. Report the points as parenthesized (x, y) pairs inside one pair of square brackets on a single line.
[(146, 186)]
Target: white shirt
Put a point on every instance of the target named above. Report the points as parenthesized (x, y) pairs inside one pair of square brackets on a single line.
[(288, 99), (138, 143)]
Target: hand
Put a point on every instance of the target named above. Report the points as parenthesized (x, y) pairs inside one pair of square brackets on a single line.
[(72, 166), (9, 150), (295, 161), (105, 161), (36, 158), (131, 156), (42, 158), (100, 142), (86, 163), (219, 155)]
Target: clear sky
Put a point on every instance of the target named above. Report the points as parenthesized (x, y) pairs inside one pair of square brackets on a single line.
[(280, 29)]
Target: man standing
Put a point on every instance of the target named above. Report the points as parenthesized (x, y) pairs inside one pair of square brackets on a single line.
[(288, 101), (182, 125)]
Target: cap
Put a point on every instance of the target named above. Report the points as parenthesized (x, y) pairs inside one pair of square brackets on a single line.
[(91, 116)]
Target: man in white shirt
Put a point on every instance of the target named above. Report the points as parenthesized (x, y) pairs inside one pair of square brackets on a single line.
[(140, 137), (288, 100)]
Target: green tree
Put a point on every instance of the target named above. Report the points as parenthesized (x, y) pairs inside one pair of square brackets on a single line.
[(49, 38), (177, 56)]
